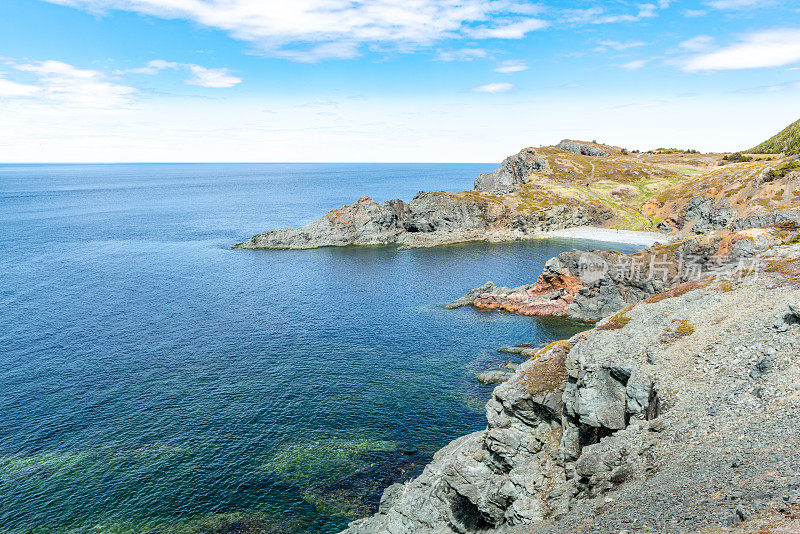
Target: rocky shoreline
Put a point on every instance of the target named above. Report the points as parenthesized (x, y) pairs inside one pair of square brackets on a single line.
[(590, 285), (657, 420), (678, 410)]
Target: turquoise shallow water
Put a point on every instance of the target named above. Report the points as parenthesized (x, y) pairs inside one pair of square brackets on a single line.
[(154, 380)]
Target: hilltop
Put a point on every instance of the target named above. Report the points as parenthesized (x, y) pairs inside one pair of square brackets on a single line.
[(787, 142)]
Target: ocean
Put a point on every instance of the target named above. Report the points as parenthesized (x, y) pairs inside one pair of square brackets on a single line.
[(152, 379)]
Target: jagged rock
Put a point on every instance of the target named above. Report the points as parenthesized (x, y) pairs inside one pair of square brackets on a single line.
[(512, 172), (708, 214), (431, 218), (600, 400), (590, 285), (585, 149), (794, 308), (519, 349), (472, 294), (766, 218), (390, 497)]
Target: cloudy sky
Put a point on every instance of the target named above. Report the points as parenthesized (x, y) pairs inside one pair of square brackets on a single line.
[(388, 80)]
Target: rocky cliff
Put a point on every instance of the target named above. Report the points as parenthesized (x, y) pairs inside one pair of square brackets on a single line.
[(431, 218), (590, 285), (675, 415), (574, 183)]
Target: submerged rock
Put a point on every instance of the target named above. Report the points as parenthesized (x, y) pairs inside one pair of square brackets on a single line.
[(493, 376)]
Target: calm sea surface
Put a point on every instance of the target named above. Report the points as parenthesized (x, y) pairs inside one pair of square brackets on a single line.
[(154, 380)]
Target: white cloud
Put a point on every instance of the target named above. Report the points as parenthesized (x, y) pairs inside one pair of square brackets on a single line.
[(770, 48), (692, 13), (617, 45), (464, 54), (735, 4), (511, 66), (202, 76), (511, 30), (635, 65), (62, 82), (598, 15), (205, 77), (494, 88), (311, 30), (14, 89), (697, 44), (772, 88)]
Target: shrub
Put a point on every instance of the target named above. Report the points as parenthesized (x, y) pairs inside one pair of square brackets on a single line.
[(783, 170), (737, 157)]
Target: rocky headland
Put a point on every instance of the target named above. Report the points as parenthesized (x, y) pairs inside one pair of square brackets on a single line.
[(572, 184)]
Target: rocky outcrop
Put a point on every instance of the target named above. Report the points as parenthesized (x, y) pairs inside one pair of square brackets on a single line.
[(590, 285), (513, 172), (585, 149), (623, 429), (431, 218), (767, 218), (701, 215), (437, 215)]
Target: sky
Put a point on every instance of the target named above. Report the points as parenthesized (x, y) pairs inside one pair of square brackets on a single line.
[(388, 80)]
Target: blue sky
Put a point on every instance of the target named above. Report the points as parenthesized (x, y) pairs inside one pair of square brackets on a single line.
[(388, 80)]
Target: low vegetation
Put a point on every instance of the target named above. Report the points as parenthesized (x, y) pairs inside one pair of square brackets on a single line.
[(615, 322), (787, 142), (737, 157), (782, 170)]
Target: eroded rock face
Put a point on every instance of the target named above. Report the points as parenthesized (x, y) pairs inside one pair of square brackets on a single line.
[(529, 463), (431, 218), (766, 218), (701, 215), (590, 285), (436, 215), (513, 172)]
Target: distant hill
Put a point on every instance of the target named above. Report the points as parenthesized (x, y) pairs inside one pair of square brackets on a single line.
[(787, 141)]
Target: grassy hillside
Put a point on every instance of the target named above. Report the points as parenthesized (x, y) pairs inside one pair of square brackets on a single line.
[(788, 141), (640, 190)]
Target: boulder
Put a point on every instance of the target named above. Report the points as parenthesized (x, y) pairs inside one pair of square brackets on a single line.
[(493, 376)]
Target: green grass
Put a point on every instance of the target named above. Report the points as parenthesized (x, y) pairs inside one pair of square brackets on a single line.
[(786, 141)]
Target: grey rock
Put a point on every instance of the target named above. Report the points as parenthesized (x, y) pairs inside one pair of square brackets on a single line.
[(708, 214), (390, 496), (493, 376), (516, 349), (794, 308), (472, 294), (513, 172), (762, 367), (762, 219), (601, 400), (580, 148)]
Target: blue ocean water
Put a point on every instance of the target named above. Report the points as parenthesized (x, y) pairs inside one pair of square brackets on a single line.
[(152, 379)]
